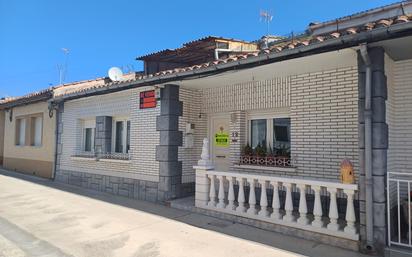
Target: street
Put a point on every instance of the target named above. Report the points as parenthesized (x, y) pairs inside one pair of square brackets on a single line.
[(39, 219)]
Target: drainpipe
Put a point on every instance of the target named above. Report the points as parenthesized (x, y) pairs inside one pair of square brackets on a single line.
[(55, 108), (368, 147)]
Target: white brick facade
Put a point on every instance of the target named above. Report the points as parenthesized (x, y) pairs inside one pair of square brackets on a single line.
[(324, 118), (143, 139), (323, 108), (399, 115)]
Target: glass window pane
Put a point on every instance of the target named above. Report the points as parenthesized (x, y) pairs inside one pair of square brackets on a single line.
[(119, 137), (22, 132), (88, 140), (258, 133), (37, 131), (128, 137), (281, 133)]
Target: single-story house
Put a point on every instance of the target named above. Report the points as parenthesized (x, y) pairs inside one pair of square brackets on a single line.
[(261, 135)]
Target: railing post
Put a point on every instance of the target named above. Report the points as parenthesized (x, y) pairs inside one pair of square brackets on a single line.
[(241, 197), (212, 194), (333, 210), (350, 213), (317, 208), (303, 208), (221, 194), (202, 195), (288, 203), (252, 198), (275, 201), (263, 200), (231, 195)]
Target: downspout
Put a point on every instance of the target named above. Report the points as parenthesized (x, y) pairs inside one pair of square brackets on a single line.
[(53, 108), (368, 147)]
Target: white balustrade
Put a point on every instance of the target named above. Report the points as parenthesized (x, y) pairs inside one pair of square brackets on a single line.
[(303, 208), (212, 192), (231, 195), (241, 197), (221, 194), (263, 200), (252, 197), (260, 209)]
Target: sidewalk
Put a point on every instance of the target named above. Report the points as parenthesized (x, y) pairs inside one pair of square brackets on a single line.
[(43, 218)]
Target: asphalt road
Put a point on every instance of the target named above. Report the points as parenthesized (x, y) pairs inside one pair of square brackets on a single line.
[(38, 218)]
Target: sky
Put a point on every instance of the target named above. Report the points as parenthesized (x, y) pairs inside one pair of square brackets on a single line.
[(100, 34)]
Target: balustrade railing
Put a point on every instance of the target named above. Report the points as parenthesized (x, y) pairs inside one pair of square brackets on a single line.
[(248, 195), (399, 195)]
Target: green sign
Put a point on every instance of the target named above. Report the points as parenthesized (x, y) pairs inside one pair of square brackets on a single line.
[(222, 139)]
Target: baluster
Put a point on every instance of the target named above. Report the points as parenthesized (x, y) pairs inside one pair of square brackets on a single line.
[(212, 193), (252, 198), (263, 200), (317, 208), (231, 195), (333, 210), (350, 213), (221, 194), (241, 197), (288, 203), (275, 202), (303, 208)]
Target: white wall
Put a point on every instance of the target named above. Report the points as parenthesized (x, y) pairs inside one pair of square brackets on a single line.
[(143, 141)]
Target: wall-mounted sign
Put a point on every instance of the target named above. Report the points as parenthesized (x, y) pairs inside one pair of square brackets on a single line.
[(222, 138), (147, 99), (235, 136)]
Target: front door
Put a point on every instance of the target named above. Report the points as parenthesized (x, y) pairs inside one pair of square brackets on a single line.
[(220, 142)]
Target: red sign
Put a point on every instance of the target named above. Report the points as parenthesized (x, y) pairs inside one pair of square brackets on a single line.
[(147, 99)]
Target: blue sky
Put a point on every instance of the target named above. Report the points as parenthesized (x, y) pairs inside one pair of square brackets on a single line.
[(106, 33)]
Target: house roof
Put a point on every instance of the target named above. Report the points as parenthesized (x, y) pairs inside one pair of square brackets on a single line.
[(294, 47), (197, 51), (284, 49), (42, 95)]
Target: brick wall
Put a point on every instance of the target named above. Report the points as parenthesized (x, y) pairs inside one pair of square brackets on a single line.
[(399, 117), (191, 114), (143, 140), (324, 121)]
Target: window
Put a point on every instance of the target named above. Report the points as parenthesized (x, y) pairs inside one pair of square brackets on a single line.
[(21, 131), (88, 135), (272, 133), (121, 136), (258, 133), (88, 141), (36, 129)]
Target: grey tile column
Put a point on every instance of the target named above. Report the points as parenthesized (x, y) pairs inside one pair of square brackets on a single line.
[(103, 138), (379, 145), (170, 174)]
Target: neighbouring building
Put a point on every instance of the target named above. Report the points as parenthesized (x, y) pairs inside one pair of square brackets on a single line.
[(29, 134), (28, 130), (258, 135)]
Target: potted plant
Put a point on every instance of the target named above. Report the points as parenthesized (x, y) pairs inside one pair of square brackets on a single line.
[(261, 153), (246, 154)]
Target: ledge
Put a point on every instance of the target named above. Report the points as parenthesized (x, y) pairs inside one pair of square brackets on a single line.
[(267, 168), (113, 160), (79, 158)]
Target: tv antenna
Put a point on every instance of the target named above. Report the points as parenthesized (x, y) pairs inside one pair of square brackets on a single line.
[(267, 17), (63, 67)]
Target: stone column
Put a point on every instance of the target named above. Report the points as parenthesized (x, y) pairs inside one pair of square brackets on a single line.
[(103, 138), (167, 123), (379, 146)]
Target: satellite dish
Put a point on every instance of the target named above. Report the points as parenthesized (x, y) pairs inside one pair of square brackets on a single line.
[(115, 74)]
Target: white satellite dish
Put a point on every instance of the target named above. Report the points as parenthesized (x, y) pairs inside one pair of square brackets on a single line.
[(115, 74)]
